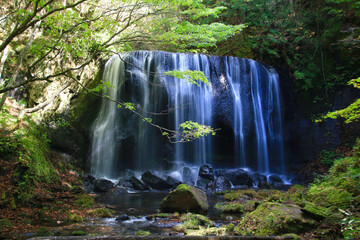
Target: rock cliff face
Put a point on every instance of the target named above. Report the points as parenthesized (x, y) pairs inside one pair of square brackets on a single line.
[(69, 117)]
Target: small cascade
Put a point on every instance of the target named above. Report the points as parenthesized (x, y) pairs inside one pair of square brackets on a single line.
[(251, 91), (104, 145)]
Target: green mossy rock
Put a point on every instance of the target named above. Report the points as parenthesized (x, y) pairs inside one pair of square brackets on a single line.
[(274, 219), (240, 195), (185, 199), (329, 196), (316, 212), (195, 225), (237, 207), (101, 212), (232, 207)]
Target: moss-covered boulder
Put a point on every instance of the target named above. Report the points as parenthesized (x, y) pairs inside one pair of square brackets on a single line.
[(315, 211), (198, 225), (237, 207), (185, 198), (275, 219), (330, 196)]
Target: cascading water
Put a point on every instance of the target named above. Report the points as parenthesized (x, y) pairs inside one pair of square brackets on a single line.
[(257, 88), (104, 147), (190, 102), (122, 140)]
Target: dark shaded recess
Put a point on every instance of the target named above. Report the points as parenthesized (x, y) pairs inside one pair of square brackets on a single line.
[(303, 138)]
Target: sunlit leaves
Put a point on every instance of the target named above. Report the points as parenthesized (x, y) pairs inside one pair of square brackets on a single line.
[(186, 29), (102, 87), (129, 105), (187, 35), (188, 131), (192, 130), (149, 120), (71, 38), (351, 113), (196, 13), (191, 76)]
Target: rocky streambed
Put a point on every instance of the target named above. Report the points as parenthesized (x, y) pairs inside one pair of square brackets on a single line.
[(246, 214)]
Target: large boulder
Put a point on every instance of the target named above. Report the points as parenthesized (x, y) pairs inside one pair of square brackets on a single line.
[(206, 171), (185, 198), (154, 181), (204, 184), (222, 183), (134, 183), (275, 179), (116, 192), (88, 183), (128, 174), (102, 185), (263, 182), (275, 219), (237, 177)]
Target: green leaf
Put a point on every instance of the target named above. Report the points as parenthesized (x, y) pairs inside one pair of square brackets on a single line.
[(129, 106), (191, 76)]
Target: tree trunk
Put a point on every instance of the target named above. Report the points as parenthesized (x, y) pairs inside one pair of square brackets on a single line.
[(4, 56)]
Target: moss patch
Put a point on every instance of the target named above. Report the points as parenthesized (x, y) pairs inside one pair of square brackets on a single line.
[(330, 196), (43, 232), (274, 219), (5, 223), (25, 146), (73, 217), (232, 207), (316, 212), (191, 221), (240, 195), (143, 233), (84, 201), (101, 212)]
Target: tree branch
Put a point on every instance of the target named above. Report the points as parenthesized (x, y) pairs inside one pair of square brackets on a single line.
[(46, 78), (18, 65), (43, 104), (30, 21)]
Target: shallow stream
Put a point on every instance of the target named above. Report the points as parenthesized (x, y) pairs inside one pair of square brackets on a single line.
[(137, 206)]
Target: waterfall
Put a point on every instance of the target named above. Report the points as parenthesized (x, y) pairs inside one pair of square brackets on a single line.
[(190, 102), (104, 147), (249, 90)]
